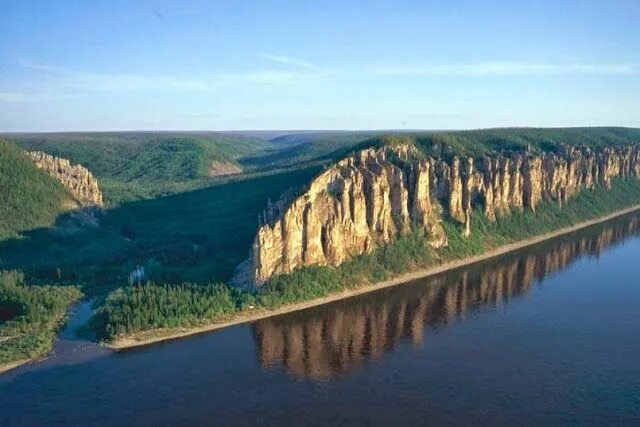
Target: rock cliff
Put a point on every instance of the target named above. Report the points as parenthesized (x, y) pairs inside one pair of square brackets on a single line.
[(375, 195), (325, 343), (80, 182)]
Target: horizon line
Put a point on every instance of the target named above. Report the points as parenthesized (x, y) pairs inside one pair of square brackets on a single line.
[(303, 130)]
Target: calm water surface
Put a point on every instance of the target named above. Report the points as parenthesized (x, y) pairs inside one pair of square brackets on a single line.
[(548, 335)]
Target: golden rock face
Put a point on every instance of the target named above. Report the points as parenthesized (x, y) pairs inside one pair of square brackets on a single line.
[(325, 342), (375, 195), (80, 182)]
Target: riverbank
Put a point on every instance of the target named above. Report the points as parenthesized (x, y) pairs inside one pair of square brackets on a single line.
[(12, 365), (158, 335), (35, 342)]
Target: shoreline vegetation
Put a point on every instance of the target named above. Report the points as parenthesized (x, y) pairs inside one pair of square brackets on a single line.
[(517, 231), (189, 244), (32, 317)]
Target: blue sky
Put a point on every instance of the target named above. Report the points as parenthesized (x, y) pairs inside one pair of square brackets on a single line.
[(223, 65)]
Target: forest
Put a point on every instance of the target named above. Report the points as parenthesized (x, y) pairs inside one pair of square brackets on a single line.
[(29, 198), (190, 231), (30, 316)]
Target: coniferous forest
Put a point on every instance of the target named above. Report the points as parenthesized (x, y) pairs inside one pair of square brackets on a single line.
[(189, 240)]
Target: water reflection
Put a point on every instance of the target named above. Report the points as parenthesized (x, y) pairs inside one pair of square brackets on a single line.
[(322, 342)]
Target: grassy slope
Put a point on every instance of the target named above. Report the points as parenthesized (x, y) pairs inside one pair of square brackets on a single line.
[(29, 198), (134, 165)]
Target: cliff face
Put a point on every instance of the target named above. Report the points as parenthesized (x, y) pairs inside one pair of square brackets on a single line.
[(375, 195), (76, 178), (324, 343)]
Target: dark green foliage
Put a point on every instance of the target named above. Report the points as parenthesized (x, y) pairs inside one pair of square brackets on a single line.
[(198, 236), (29, 198), (140, 165), (305, 284), (140, 308), (37, 312), (407, 253)]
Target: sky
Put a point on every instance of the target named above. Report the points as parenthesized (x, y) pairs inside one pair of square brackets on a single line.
[(260, 64)]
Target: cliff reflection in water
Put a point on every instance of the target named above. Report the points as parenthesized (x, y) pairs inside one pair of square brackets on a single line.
[(322, 342)]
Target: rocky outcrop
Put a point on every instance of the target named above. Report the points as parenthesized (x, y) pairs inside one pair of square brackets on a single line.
[(376, 195), (364, 200), (80, 182), (342, 336)]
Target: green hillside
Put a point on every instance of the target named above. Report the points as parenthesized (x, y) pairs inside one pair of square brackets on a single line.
[(198, 236), (476, 143), (305, 148), (134, 165), (29, 198), (302, 148)]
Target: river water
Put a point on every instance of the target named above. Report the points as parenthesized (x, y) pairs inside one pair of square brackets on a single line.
[(547, 335)]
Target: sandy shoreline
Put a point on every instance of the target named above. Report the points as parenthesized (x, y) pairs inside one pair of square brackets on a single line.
[(12, 365), (159, 335)]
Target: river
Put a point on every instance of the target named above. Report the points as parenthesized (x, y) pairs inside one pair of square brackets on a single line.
[(546, 335)]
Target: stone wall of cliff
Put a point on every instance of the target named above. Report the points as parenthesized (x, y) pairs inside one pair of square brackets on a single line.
[(80, 182), (324, 343), (375, 195)]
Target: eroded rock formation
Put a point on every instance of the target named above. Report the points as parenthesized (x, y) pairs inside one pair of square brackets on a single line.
[(80, 182), (375, 195), (321, 344)]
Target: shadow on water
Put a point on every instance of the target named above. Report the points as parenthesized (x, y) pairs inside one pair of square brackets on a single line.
[(322, 342)]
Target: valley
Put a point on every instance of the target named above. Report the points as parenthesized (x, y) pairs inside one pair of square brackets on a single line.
[(192, 233), (284, 213)]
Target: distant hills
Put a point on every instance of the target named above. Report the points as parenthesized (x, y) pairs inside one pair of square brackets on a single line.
[(133, 165), (143, 165)]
